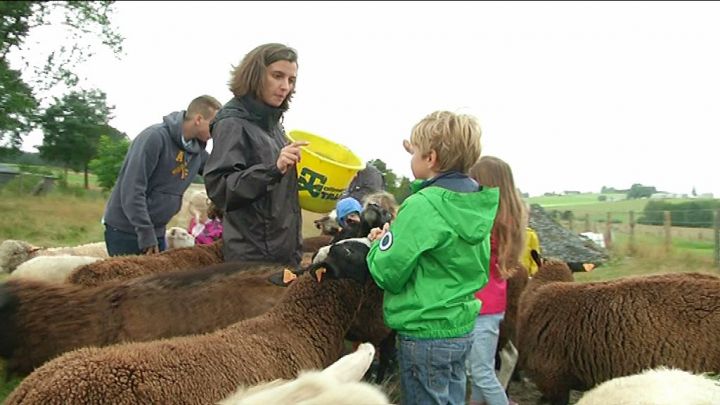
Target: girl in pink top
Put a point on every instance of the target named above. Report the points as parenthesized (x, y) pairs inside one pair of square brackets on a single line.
[(506, 246), (206, 222)]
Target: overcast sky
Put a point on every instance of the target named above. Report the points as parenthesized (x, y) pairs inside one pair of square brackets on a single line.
[(573, 95)]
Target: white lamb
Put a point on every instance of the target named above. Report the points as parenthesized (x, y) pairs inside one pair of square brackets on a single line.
[(52, 269), (177, 237), (660, 386), (338, 384)]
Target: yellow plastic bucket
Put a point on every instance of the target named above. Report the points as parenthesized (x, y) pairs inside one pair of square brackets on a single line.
[(324, 172)]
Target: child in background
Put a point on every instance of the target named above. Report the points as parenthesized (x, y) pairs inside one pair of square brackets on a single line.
[(506, 245), (206, 221), (384, 200), (532, 243), (433, 258), (348, 210)]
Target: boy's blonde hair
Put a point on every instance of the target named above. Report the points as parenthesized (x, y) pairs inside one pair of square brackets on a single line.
[(383, 199), (455, 138), (510, 225)]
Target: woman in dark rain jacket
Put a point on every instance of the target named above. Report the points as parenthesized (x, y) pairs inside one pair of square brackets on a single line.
[(251, 171)]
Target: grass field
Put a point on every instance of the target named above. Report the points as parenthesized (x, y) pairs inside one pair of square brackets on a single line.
[(70, 216)]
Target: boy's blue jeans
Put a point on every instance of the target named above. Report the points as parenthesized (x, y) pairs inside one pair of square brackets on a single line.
[(432, 371), (481, 363), (119, 243)]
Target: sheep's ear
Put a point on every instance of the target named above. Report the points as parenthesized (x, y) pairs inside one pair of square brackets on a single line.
[(319, 273), (578, 267), (283, 278), (536, 257)]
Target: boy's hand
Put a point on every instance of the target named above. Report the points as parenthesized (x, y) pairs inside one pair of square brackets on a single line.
[(377, 233), (408, 146), (289, 155)]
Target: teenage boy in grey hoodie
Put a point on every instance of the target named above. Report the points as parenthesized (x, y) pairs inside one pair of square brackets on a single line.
[(159, 166)]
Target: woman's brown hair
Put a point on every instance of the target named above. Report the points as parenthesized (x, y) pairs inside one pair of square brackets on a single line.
[(247, 77)]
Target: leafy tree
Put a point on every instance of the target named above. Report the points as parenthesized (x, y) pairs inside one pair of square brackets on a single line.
[(403, 190), (110, 156), (399, 187), (694, 214), (73, 126), (18, 105), (640, 191), (83, 19)]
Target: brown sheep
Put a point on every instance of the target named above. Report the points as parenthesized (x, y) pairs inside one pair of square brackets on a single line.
[(43, 320), (313, 244), (515, 286), (303, 331), (576, 335), (128, 267)]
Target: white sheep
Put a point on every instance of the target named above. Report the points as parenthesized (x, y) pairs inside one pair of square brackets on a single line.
[(660, 386), (177, 237), (50, 268), (15, 252), (338, 384)]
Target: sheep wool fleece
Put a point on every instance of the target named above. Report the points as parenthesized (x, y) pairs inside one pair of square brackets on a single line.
[(432, 260)]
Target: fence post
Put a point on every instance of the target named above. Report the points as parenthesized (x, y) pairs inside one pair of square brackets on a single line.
[(667, 223), (608, 231), (631, 223), (717, 238), (587, 223)]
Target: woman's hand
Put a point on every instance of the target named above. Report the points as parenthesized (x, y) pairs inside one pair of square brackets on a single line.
[(290, 155)]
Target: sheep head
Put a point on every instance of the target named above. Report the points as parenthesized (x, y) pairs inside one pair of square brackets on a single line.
[(327, 226), (551, 269), (372, 216), (15, 252), (177, 237), (345, 259)]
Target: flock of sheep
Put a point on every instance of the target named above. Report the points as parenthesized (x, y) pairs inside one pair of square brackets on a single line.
[(184, 327)]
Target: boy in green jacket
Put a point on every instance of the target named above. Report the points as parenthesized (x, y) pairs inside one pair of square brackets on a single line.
[(434, 257)]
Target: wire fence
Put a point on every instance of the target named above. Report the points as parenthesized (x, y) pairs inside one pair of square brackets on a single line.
[(625, 223)]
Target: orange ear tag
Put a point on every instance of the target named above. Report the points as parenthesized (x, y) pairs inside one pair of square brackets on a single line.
[(288, 276), (319, 273), (588, 266)]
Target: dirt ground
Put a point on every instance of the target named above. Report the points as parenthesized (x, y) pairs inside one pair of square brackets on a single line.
[(525, 393)]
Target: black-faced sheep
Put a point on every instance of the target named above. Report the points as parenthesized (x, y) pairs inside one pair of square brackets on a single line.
[(576, 335), (303, 331), (655, 387), (128, 267), (372, 216), (40, 320), (15, 252), (338, 384)]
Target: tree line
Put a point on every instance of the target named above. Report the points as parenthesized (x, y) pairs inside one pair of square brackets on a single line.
[(76, 131)]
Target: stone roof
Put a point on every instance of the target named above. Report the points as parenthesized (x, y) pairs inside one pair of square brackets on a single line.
[(559, 242)]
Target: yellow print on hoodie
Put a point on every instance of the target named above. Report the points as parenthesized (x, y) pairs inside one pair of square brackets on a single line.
[(181, 168)]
